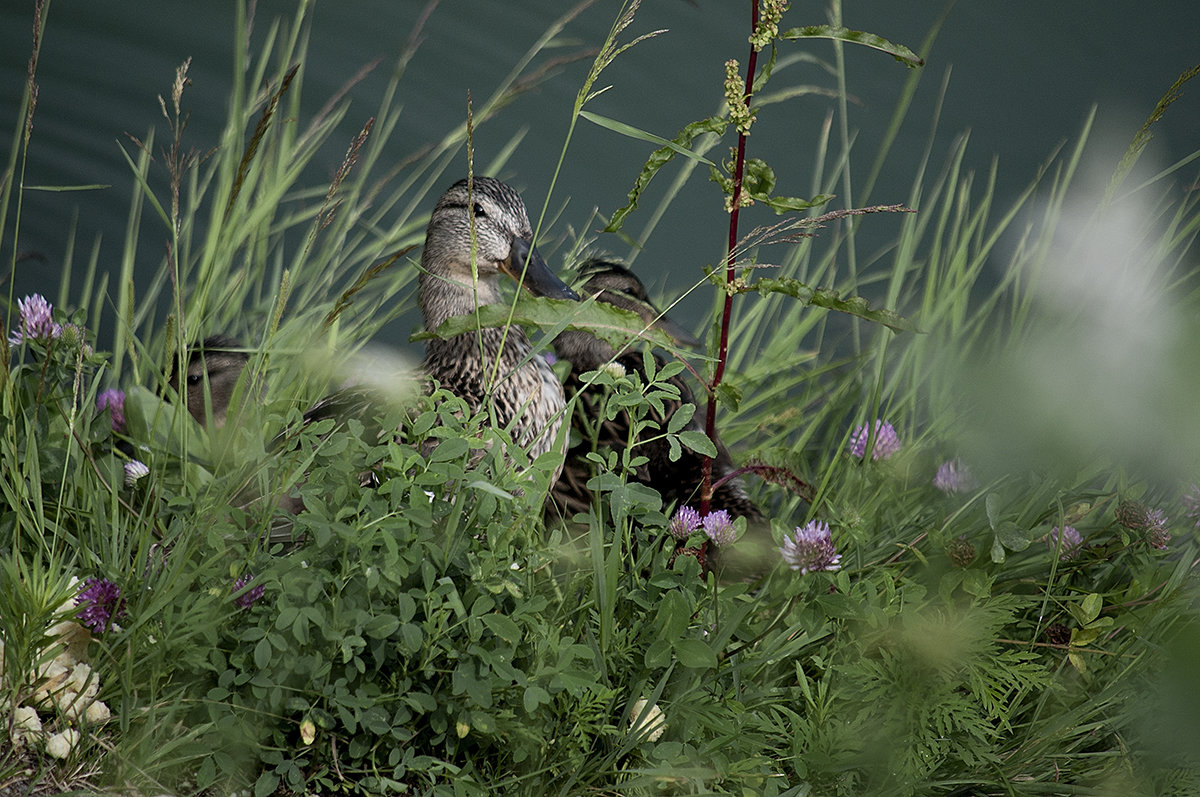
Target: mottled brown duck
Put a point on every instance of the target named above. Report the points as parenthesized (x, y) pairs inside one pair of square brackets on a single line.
[(677, 481), (494, 368)]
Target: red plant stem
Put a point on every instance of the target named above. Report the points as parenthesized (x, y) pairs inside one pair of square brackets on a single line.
[(710, 421)]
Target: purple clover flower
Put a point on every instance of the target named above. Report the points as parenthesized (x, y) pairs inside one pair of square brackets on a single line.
[(887, 442), (114, 401), (135, 470), (954, 477), (100, 604), (248, 598), (1072, 542), (719, 527), (36, 321), (810, 548), (686, 521)]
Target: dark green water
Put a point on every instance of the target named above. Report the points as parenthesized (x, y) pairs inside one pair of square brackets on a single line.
[(1023, 76)]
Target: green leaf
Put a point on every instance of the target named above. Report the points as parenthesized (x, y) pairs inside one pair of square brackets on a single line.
[(897, 51), (1090, 607), (698, 442), (991, 505), (381, 626), (680, 418), (613, 325), (262, 654), (661, 157), (1013, 537), (642, 135), (695, 653), (535, 696), (266, 784), (658, 654), (998, 554), (830, 300), (503, 627)]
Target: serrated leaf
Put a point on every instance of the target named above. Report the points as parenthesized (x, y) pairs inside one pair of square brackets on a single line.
[(897, 51), (1013, 537), (829, 299), (729, 397), (680, 418), (659, 158), (695, 653), (792, 204), (698, 442), (611, 324)]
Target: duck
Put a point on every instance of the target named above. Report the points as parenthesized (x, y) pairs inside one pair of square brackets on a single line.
[(678, 481), (482, 220), (213, 369)]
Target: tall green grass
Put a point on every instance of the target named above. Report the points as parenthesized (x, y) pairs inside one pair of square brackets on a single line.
[(438, 634)]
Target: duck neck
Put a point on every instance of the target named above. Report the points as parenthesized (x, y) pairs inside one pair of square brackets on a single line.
[(453, 358)]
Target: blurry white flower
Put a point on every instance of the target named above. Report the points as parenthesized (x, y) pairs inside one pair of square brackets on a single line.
[(652, 725), (97, 712), (615, 370), (25, 718), (60, 744)]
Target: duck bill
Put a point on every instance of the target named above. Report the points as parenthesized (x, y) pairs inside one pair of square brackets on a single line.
[(526, 266)]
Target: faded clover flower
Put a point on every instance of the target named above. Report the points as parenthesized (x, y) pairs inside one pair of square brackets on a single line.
[(887, 442), (719, 527), (1071, 539), (1157, 535), (114, 401), (686, 521), (810, 548), (961, 552), (36, 321), (1191, 504), (100, 604), (248, 598), (1133, 515), (952, 476)]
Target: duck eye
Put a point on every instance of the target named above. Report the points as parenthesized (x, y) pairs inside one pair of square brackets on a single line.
[(479, 211)]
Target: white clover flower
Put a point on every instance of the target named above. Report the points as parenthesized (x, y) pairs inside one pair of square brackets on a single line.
[(25, 718), (652, 725), (134, 470), (97, 712), (81, 680), (61, 744), (615, 370)]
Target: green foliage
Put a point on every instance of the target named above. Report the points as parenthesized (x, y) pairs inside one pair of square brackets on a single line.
[(425, 627)]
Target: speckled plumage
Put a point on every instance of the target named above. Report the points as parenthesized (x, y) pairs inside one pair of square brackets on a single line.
[(491, 367)]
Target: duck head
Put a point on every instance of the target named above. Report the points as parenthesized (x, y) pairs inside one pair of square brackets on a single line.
[(485, 219)]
